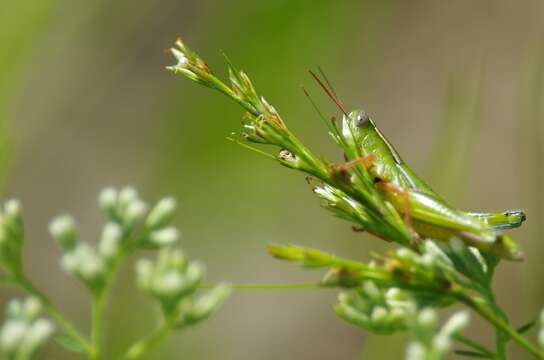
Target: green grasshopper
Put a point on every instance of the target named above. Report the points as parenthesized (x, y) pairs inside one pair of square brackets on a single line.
[(431, 215), (426, 212), (375, 186)]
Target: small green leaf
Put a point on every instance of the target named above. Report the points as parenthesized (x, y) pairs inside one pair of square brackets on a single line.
[(524, 328), (69, 343), (473, 354)]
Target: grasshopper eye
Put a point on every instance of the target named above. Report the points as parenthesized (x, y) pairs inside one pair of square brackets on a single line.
[(362, 117)]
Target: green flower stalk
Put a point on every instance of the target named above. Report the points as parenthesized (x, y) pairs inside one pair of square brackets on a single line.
[(262, 124)]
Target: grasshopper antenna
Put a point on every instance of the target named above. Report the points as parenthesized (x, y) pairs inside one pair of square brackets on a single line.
[(331, 88), (314, 105), (329, 93)]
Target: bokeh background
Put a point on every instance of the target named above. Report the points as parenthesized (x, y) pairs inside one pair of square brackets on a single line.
[(85, 102)]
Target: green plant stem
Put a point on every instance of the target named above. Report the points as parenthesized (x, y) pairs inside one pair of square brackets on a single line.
[(97, 308), (484, 310), (25, 284), (141, 347), (501, 339), (98, 304), (269, 287)]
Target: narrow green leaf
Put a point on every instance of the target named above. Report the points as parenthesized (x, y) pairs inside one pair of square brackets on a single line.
[(69, 343), (528, 326), (473, 354)]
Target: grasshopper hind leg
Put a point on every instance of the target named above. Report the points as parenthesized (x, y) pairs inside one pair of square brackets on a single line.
[(407, 213), (508, 219)]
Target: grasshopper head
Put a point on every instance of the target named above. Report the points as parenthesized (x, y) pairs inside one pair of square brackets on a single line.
[(358, 117)]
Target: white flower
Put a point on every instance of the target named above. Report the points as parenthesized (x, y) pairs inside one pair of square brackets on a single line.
[(416, 351), (180, 57), (168, 284), (135, 211), (83, 262), (427, 319), (161, 213), (110, 243), (127, 195), (108, 199), (63, 229), (32, 308), (163, 237), (38, 333), (12, 208), (379, 314), (456, 323), (12, 334)]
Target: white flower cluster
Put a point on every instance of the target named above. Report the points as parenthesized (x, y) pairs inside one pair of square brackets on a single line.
[(24, 332), (194, 311), (376, 310), (126, 209), (79, 258), (125, 212), (172, 280), (11, 236), (432, 343)]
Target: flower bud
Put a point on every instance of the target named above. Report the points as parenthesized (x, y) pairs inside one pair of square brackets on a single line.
[(416, 351), (372, 291), (205, 306), (286, 252), (162, 213), (169, 279), (12, 334), (107, 201), (38, 333), (110, 243), (31, 308), (456, 323), (14, 308), (12, 217), (441, 343), (379, 314), (63, 229), (427, 320), (85, 264), (352, 315), (164, 237), (134, 212), (126, 196)]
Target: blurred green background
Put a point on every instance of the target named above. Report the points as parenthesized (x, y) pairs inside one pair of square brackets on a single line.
[(85, 102)]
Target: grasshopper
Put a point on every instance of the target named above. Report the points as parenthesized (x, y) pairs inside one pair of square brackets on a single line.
[(431, 215), (375, 187), (426, 213)]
